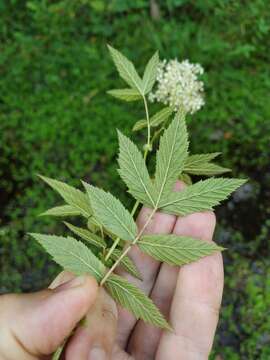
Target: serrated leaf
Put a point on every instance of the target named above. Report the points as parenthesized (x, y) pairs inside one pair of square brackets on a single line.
[(125, 94), (64, 210), (72, 255), (132, 298), (126, 69), (150, 73), (155, 120), (198, 159), (87, 235), (110, 212), (133, 171), (200, 164), (176, 250), (207, 169), (171, 156), (71, 195), (140, 124), (202, 196), (126, 263)]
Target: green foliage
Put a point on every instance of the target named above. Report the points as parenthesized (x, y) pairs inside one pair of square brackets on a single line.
[(111, 213), (202, 165), (72, 255), (202, 196), (133, 171), (64, 210), (132, 298), (53, 120), (126, 263), (176, 250), (127, 70), (72, 196), (156, 120), (150, 73), (116, 223), (125, 94), (86, 235), (171, 156)]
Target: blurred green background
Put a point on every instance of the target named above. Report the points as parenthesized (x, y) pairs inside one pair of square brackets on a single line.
[(56, 119)]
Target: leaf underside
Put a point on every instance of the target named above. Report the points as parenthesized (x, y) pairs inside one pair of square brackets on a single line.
[(202, 196), (171, 155), (127, 264), (87, 235), (132, 298), (62, 211), (199, 164), (207, 169), (126, 70), (150, 74), (155, 120), (176, 250), (106, 213), (72, 255), (126, 94), (71, 195), (133, 171), (110, 212)]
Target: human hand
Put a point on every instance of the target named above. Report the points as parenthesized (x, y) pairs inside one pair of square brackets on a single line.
[(189, 296), (32, 326)]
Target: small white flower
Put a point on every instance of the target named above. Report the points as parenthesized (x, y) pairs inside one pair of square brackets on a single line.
[(178, 86)]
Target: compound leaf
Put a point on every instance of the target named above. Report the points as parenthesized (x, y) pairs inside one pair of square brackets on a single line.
[(172, 153), (126, 69), (71, 195), (126, 263), (87, 235), (110, 212), (132, 298), (202, 196), (207, 169), (200, 164), (155, 120), (150, 73), (64, 210), (133, 171), (176, 250), (197, 159), (125, 94), (72, 255)]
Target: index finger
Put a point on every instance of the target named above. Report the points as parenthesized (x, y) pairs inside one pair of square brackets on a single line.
[(195, 307)]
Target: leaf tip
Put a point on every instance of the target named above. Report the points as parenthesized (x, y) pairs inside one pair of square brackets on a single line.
[(221, 248), (42, 214), (42, 177), (168, 326), (36, 236)]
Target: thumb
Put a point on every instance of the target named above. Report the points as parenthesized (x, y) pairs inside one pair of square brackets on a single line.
[(36, 324)]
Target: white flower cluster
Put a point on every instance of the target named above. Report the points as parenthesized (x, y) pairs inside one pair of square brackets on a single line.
[(178, 86)]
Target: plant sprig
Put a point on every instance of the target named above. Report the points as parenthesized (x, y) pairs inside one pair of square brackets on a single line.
[(111, 231)]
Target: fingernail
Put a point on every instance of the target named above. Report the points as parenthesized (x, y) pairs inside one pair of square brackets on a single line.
[(97, 353), (78, 281)]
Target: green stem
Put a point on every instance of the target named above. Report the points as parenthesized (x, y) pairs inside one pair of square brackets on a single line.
[(135, 207), (125, 252), (148, 123), (116, 242)]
